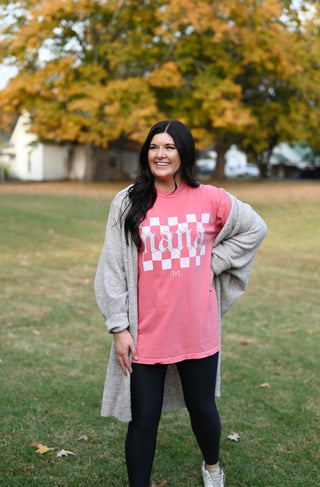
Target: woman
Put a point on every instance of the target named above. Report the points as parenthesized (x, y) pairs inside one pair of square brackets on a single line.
[(177, 255)]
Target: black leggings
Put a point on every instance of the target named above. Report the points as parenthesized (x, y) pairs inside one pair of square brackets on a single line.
[(198, 379)]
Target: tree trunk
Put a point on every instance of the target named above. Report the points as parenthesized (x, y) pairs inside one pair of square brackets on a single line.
[(264, 160), (221, 147)]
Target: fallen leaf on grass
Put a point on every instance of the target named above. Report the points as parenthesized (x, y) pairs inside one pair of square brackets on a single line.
[(246, 341), (234, 437), (83, 438), (265, 385), (160, 485), (41, 448), (35, 443), (65, 453)]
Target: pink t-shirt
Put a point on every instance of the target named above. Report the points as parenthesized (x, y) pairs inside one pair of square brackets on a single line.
[(178, 315)]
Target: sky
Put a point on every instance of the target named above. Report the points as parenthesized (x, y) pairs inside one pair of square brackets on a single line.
[(6, 72)]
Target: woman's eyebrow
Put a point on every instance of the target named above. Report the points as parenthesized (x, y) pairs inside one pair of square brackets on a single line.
[(166, 144)]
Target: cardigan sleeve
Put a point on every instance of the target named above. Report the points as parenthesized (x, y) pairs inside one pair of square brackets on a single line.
[(234, 251), (110, 285)]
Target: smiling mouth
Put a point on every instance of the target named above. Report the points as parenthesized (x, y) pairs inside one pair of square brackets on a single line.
[(162, 164)]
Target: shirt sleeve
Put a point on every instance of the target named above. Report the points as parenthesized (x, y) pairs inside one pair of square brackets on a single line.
[(222, 210)]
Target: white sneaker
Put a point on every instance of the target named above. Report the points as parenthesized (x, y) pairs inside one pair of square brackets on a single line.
[(214, 478)]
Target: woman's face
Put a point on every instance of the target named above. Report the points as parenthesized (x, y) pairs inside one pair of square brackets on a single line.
[(164, 160)]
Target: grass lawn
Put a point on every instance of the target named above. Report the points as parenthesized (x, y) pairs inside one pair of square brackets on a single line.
[(54, 348)]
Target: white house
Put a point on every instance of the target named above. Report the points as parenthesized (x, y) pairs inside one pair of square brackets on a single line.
[(236, 164), (30, 159), (35, 160), (293, 161)]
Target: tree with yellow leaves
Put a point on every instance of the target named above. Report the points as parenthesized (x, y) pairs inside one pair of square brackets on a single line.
[(250, 73), (82, 68), (92, 71)]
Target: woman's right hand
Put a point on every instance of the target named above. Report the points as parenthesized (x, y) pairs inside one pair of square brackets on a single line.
[(124, 344)]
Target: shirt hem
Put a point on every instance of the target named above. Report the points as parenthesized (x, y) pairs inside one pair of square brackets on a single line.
[(179, 358)]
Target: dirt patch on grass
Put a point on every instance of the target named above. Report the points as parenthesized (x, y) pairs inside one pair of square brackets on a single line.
[(245, 190), (108, 189), (295, 191)]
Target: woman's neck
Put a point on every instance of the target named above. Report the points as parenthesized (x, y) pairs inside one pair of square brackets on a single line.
[(170, 185)]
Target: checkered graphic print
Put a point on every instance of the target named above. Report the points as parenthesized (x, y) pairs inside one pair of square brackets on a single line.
[(173, 245)]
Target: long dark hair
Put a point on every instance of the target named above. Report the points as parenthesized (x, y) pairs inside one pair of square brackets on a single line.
[(142, 195)]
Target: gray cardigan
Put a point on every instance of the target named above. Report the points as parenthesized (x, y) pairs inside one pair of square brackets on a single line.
[(233, 253)]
